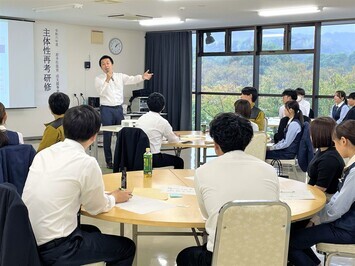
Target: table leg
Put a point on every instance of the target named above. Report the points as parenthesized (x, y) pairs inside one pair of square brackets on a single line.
[(177, 151), (135, 240), (122, 229), (198, 152)]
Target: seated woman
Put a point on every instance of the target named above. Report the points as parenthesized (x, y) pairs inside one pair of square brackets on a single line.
[(335, 223), (287, 148), (327, 165), (242, 107), (8, 137), (340, 108)]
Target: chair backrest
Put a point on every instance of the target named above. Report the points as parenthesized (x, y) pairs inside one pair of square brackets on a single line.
[(257, 145), (252, 233), (15, 161), (265, 124), (18, 244), (130, 147)]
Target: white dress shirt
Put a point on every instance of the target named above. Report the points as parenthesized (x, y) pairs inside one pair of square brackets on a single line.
[(20, 136), (156, 127), (232, 176), (61, 179), (111, 93), (305, 106)]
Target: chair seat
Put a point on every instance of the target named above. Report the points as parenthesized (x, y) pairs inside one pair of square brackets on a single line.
[(333, 248), (286, 162)]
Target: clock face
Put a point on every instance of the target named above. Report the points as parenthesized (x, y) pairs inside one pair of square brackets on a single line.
[(115, 46)]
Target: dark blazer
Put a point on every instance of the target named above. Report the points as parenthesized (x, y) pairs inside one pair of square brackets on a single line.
[(130, 147), (15, 161), (18, 243), (305, 152), (350, 114)]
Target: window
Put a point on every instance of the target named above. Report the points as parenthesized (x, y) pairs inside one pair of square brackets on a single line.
[(214, 42), (337, 59), (302, 38), (242, 41), (273, 39)]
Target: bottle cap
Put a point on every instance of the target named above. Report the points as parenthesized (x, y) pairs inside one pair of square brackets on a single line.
[(147, 149)]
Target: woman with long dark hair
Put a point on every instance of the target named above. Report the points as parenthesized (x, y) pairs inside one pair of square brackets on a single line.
[(287, 148)]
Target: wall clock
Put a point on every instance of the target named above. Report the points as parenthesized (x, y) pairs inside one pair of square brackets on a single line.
[(115, 46)]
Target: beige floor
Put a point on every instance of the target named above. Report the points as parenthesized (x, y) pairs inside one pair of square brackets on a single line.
[(162, 250)]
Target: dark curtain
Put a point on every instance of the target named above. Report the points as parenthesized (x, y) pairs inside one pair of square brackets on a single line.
[(169, 57)]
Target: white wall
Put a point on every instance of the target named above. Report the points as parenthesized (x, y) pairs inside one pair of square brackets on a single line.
[(78, 48)]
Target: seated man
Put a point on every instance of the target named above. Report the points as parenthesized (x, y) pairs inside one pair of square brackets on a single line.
[(257, 116), (156, 127), (234, 175), (62, 178), (58, 104)]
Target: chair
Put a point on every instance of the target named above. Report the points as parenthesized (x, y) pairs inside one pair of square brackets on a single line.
[(130, 147), (257, 146), (18, 243), (252, 233), (330, 250), (15, 161), (265, 124)]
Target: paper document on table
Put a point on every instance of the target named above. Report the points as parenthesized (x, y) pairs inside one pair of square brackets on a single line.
[(179, 190), (191, 137), (143, 205), (153, 193), (296, 195), (190, 177)]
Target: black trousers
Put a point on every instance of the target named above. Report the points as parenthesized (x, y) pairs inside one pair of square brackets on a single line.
[(163, 159), (301, 241), (88, 245), (194, 256)]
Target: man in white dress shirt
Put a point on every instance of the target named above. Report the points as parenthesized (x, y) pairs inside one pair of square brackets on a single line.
[(156, 127), (109, 85), (234, 175), (62, 178)]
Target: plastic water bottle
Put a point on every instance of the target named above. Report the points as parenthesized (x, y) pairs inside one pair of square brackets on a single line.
[(148, 163), (124, 178)]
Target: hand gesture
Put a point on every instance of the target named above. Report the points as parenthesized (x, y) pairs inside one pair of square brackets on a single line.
[(147, 75)]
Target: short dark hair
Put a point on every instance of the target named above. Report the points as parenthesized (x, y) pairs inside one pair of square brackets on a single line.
[(352, 96), (156, 102), (321, 130), (252, 91), (58, 103), (291, 93), (231, 132), (105, 57), (300, 91), (243, 108), (80, 123)]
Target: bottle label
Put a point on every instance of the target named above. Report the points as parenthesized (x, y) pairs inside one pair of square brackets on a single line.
[(148, 164)]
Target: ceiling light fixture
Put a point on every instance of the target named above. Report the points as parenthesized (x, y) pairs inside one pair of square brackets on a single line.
[(289, 11), (209, 38), (160, 21), (57, 8)]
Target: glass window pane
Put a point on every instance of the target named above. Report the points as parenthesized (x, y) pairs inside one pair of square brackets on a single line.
[(302, 38), (325, 106), (211, 105), (270, 105), (279, 72), (337, 59), (242, 41), (214, 42), (273, 39), (226, 73)]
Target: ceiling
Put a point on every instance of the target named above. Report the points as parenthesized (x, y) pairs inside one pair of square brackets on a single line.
[(197, 14)]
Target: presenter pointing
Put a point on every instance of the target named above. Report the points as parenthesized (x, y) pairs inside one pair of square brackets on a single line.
[(109, 85)]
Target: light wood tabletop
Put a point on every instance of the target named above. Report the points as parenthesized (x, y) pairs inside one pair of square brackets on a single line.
[(189, 215)]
